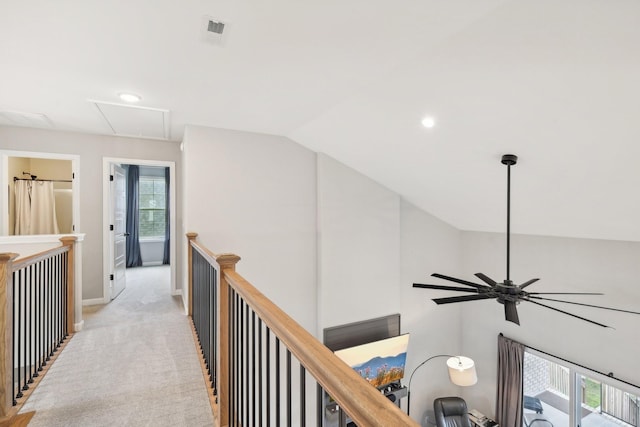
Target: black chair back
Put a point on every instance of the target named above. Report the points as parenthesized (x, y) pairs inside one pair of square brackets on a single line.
[(451, 412)]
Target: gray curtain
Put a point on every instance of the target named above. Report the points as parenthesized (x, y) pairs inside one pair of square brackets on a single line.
[(509, 392), (134, 257), (167, 230)]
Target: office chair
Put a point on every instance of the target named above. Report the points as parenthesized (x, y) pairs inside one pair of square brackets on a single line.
[(451, 412)]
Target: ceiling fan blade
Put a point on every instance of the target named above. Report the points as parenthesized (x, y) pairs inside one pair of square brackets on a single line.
[(449, 300), (587, 305), (565, 293), (567, 313), (510, 312), (462, 282), (528, 282), (444, 288), (486, 279)]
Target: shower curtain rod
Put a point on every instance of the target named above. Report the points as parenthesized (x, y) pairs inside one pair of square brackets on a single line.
[(15, 178)]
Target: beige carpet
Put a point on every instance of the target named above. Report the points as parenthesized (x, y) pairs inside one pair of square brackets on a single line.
[(134, 364)]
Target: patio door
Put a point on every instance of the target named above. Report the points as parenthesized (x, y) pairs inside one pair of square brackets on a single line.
[(560, 394)]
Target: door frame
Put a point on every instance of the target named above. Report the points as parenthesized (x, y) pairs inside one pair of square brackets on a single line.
[(106, 218), (5, 182)]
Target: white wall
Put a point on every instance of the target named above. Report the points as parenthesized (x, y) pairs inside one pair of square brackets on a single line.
[(255, 195), (563, 265), (91, 149), (428, 246), (359, 246)]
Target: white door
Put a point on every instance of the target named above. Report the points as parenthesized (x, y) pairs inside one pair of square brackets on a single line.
[(119, 222)]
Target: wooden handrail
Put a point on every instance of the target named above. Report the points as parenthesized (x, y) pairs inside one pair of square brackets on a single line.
[(362, 402)]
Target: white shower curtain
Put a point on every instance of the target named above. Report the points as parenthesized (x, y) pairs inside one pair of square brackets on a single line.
[(35, 208)]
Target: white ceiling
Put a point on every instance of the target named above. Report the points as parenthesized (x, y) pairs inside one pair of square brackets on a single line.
[(555, 82)]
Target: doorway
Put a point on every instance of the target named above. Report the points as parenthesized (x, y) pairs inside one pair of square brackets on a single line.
[(152, 218)]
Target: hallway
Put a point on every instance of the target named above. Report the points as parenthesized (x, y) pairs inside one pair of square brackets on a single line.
[(133, 364)]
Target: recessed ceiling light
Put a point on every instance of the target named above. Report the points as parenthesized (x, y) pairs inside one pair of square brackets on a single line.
[(130, 97), (428, 122)]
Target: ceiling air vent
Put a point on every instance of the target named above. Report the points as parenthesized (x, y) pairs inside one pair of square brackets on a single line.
[(214, 30), (215, 27)]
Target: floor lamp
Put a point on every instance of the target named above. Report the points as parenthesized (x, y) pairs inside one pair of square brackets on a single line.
[(462, 372)]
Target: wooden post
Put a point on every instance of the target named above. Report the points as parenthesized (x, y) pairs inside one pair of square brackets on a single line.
[(227, 262), (71, 317), (190, 237), (6, 333)]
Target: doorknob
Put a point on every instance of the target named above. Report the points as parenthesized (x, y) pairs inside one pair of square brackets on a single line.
[(126, 234)]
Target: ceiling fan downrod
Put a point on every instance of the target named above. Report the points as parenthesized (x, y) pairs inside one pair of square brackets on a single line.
[(509, 160)]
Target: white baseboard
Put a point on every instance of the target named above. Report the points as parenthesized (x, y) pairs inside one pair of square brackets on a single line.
[(93, 301), (78, 326), (176, 292)]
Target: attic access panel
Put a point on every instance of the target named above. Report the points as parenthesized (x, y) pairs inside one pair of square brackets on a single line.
[(133, 120)]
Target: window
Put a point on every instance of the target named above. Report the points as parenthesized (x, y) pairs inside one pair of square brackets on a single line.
[(152, 206), (558, 394)]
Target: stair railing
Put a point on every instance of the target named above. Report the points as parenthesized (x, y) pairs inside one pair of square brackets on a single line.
[(261, 364), (36, 316)]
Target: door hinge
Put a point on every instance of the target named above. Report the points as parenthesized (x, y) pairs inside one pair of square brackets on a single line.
[(111, 227), (110, 177), (111, 277), (73, 175), (73, 228)]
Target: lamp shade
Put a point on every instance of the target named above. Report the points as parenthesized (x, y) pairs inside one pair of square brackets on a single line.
[(462, 371)]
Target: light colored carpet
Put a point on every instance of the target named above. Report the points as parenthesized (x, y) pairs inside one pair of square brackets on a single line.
[(134, 364)]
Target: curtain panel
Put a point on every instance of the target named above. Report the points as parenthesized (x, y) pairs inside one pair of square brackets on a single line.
[(134, 257), (510, 373), (167, 223), (35, 208)]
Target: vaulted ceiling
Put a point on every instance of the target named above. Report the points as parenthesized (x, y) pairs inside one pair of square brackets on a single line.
[(555, 82)]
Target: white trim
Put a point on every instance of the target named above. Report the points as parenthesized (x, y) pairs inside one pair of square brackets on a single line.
[(78, 326), (106, 162), (177, 292), (93, 301)]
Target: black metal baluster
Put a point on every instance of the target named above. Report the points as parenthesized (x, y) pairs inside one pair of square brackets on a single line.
[(50, 313), (277, 381), (65, 288), (260, 361), (303, 397), (58, 302), (246, 364), (19, 331), (29, 325), (36, 309), (13, 342), (55, 304), (236, 355), (288, 388), (253, 367), (25, 325), (242, 400), (41, 290), (268, 374), (319, 404)]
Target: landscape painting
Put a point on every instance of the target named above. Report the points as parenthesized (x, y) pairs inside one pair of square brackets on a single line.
[(379, 362)]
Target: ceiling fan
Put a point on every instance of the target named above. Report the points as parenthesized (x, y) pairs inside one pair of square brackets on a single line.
[(506, 292)]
